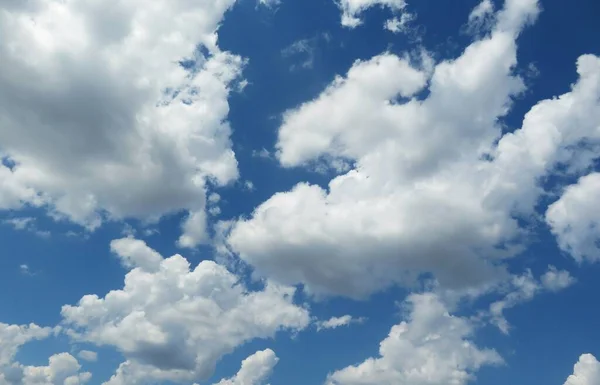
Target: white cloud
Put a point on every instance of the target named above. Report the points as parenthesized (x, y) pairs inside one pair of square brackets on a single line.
[(88, 355), (12, 337), (255, 369), (431, 348), (352, 9), (336, 322), (413, 201), (269, 3), (397, 25), (575, 218), (524, 288), (98, 117), (26, 224), (135, 253), (585, 372), (435, 187), (173, 324), (62, 369)]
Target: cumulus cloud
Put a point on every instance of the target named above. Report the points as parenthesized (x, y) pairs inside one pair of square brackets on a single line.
[(173, 324), (336, 322), (434, 186), (255, 369), (432, 347), (62, 369), (14, 336), (352, 9), (575, 218), (585, 372), (114, 112)]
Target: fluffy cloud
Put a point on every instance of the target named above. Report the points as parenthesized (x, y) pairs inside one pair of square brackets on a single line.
[(586, 371), (172, 323), (336, 322), (12, 337), (575, 218), (434, 186), (255, 369), (98, 118), (431, 348), (351, 9), (62, 369)]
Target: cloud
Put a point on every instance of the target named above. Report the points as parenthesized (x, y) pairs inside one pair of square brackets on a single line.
[(335, 322), (434, 186), (62, 369), (352, 9), (413, 201), (399, 25), (255, 369), (15, 336), (26, 224), (104, 123), (432, 347), (304, 48), (524, 288), (88, 355), (173, 324), (575, 217), (585, 372)]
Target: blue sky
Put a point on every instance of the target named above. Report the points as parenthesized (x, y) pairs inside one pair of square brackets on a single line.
[(352, 192)]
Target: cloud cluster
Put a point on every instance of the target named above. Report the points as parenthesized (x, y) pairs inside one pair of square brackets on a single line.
[(172, 323), (434, 186), (62, 369), (114, 112), (431, 348)]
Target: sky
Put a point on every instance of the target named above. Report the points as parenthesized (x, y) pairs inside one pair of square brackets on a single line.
[(336, 192)]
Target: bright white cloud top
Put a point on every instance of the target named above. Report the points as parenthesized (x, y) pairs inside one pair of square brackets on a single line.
[(586, 371)]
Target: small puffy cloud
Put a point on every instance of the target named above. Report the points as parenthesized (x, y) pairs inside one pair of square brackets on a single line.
[(524, 288), (431, 347), (575, 217), (352, 9), (399, 25), (556, 280), (255, 369), (136, 253), (336, 322), (100, 120), (585, 372), (173, 323), (88, 355)]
